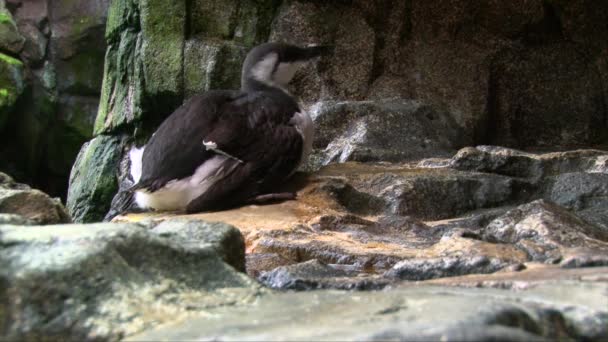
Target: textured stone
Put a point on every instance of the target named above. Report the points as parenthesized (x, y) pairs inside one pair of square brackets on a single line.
[(106, 281), (536, 92), (546, 231), (212, 65), (347, 75), (558, 310), (381, 130), (32, 205), (92, 181), (34, 48), (312, 275), (444, 267)]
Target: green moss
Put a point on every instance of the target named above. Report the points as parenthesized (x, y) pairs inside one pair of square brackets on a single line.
[(93, 181), (10, 60), (5, 18)]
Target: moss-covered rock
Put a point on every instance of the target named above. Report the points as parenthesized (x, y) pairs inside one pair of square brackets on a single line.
[(163, 31), (93, 180), (11, 85), (10, 38), (122, 89)]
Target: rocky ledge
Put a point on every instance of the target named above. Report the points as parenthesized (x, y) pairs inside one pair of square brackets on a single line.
[(485, 210)]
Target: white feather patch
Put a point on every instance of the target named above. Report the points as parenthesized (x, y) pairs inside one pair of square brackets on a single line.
[(263, 69), (178, 193), (304, 126), (135, 158)]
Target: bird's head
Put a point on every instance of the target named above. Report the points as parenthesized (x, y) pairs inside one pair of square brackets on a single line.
[(274, 64)]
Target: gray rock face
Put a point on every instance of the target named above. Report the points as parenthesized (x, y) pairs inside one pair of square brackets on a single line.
[(29, 205), (390, 130), (106, 281)]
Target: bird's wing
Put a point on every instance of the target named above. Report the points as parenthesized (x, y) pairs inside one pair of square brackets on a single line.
[(264, 148), (176, 149)]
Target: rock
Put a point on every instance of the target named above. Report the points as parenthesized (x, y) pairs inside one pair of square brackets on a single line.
[(579, 190), (10, 38), (11, 79), (107, 281), (212, 65), (430, 194), (444, 267), (549, 310), (16, 220), (29, 205), (391, 130), (546, 231), (525, 107), (515, 163), (92, 181), (312, 274), (347, 75), (34, 48)]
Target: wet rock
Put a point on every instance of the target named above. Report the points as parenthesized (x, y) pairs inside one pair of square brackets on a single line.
[(546, 232), (29, 205), (312, 275), (92, 181), (391, 130), (550, 310), (106, 281)]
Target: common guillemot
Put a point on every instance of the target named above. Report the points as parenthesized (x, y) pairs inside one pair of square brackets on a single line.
[(225, 148)]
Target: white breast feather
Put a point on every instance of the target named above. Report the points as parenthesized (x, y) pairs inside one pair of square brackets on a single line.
[(304, 126)]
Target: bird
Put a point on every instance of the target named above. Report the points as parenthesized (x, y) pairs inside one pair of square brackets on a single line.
[(225, 148)]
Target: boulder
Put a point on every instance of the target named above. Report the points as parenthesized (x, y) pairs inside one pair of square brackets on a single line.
[(107, 281), (21, 204), (93, 181)]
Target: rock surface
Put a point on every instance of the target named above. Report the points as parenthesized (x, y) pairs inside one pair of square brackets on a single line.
[(558, 309), (20, 204), (107, 281)]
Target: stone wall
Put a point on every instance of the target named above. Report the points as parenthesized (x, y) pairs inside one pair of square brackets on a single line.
[(516, 73), (51, 72)]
